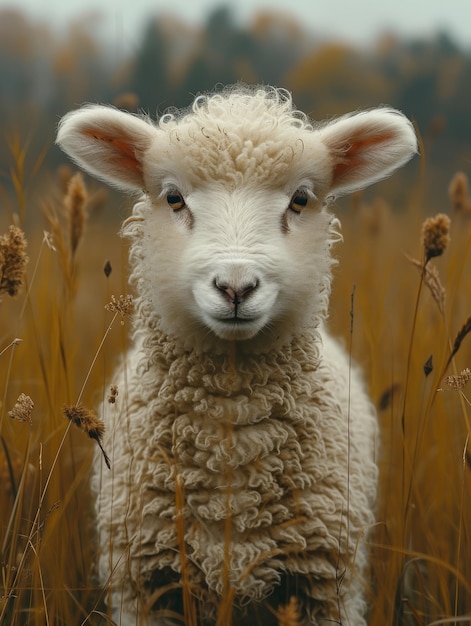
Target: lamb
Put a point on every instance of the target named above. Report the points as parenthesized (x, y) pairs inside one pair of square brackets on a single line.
[(243, 450)]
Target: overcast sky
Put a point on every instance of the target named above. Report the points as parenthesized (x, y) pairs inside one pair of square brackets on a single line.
[(359, 21)]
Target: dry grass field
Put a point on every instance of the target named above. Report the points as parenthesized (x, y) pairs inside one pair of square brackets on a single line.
[(404, 312)]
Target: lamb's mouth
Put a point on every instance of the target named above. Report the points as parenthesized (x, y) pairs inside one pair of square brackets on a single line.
[(235, 327), (236, 321)]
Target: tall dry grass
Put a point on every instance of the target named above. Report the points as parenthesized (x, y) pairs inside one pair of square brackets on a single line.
[(52, 354), (411, 317), (403, 312)]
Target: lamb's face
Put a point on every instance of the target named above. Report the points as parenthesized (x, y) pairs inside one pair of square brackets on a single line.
[(231, 241), (234, 261)]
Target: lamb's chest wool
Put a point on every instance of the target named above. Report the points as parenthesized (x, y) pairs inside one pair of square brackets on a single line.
[(243, 443)]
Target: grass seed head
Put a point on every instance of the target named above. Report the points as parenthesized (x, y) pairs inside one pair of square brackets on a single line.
[(75, 203), (123, 305), (459, 381), (458, 192), (13, 261), (435, 235), (23, 409), (86, 420), (462, 333)]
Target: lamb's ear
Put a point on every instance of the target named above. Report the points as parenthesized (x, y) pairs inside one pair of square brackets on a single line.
[(366, 147), (107, 143)]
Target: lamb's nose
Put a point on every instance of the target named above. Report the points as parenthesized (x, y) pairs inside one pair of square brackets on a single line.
[(235, 295)]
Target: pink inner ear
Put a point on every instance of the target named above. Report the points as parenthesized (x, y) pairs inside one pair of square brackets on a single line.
[(122, 150), (355, 153)]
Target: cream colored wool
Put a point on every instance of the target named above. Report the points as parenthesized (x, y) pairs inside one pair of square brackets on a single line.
[(242, 442), (259, 441)]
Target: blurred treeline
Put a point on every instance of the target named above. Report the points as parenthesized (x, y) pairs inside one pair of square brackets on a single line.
[(44, 73)]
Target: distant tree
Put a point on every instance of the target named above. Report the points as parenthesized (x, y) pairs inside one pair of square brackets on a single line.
[(150, 72), (80, 67), (335, 78), (418, 95), (225, 56), (279, 43), (18, 48)]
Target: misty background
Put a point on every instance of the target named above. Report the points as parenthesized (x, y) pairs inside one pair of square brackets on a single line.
[(49, 66)]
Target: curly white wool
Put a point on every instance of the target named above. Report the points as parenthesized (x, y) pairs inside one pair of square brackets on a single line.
[(243, 442)]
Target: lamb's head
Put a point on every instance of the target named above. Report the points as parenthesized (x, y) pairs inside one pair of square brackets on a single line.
[(232, 235)]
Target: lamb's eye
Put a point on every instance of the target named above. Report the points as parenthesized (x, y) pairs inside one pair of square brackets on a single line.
[(175, 201), (298, 201)]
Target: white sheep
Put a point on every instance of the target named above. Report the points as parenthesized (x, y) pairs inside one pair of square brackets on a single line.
[(242, 452)]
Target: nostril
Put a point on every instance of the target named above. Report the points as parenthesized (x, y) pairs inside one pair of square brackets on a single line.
[(247, 288), (236, 294)]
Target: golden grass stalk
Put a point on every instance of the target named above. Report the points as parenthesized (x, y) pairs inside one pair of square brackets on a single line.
[(12, 344), (67, 220), (289, 615), (432, 281), (85, 419), (462, 333), (21, 174), (189, 609)]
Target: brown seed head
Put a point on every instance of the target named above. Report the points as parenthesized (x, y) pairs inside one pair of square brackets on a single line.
[(462, 333), (86, 420), (123, 305), (435, 235), (75, 203), (23, 409), (458, 191), (13, 260), (459, 381)]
